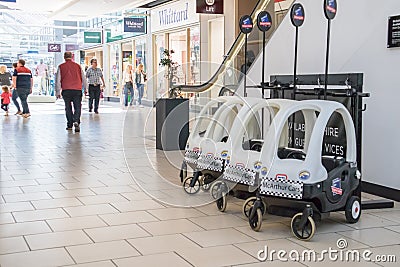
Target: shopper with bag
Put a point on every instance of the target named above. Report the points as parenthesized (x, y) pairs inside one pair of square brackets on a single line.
[(128, 84), (140, 80)]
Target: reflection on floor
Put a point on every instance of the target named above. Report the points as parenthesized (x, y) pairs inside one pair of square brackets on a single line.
[(106, 197)]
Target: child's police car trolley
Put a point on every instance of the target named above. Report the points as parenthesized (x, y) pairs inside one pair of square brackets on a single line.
[(303, 182), (243, 148), (214, 123)]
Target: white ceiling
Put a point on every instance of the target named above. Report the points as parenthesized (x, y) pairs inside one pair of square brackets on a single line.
[(73, 9)]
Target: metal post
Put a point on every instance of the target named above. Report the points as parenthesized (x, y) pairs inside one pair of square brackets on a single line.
[(327, 57), (295, 63), (245, 66), (294, 80), (262, 84)]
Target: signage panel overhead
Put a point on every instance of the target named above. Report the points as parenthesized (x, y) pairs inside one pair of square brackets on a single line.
[(174, 15), (136, 25), (92, 37), (210, 6), (53, 47)]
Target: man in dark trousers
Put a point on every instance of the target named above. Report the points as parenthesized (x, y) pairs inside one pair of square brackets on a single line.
[(23, 82), (96, 85), (69, 80)]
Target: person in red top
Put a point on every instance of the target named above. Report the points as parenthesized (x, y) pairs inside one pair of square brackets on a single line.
[(69, 80), (5, 99), (23, 82)]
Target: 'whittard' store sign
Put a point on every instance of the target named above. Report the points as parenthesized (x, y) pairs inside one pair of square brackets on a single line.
[(173, 15)]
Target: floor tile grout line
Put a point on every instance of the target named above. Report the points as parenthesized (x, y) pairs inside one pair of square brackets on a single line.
[(129, 243), (69, 254), (180, 256), (91, 239), (141, 227), (26, 242), (183, 234)]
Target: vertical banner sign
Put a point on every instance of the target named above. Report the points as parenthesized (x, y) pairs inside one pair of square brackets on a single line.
[(136, 25), (53, 47), (394, 31), (210, 6)]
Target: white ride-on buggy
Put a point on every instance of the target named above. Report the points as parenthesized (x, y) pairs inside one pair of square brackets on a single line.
[(303, 183), (246, 141), (213, 123)]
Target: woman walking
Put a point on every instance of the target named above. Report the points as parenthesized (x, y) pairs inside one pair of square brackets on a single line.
[(140, 80), (128, 84)]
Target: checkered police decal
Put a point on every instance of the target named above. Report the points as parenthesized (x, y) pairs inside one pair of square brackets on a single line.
[(208, 162), (191, 156), (281, 188), (240, 175)]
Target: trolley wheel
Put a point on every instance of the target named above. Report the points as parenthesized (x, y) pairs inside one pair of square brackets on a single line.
[(248, 204), (305, 233), (191, 189), (353, 209), (221, 203), (255, 221), (205, 182), (214, 189)]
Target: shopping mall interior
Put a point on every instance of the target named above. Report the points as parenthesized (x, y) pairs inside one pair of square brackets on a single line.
[(227, 133)]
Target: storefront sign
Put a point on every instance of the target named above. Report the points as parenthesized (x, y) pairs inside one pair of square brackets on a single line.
[(394, 31), (177, 14), (92, 37), (297, 15), (10, 1), (210, 6), (136, 25), (110, 38), (330, 8), (53, 47), (71, 47)]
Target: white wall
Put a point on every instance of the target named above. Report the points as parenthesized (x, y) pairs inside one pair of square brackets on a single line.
[(358, 44)]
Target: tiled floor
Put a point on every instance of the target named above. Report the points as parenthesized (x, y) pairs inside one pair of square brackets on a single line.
[(106, 197)]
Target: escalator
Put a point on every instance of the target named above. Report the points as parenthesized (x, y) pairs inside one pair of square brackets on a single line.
[(228, 75)]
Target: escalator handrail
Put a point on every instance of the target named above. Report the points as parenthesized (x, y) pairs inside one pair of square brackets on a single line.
[(204, 86)]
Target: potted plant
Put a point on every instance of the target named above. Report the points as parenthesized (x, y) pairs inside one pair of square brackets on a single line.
[(171, 66)]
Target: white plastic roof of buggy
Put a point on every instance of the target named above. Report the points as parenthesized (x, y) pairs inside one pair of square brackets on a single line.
[(220, 99), (251, 107), (224, 117), (316, 134)]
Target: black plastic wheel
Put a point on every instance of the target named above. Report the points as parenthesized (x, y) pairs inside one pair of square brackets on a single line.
[(353, 209), (215, 187), (221, 203), (247, 205), (206, 182), (255, 222), (306, 232), (191, 189)]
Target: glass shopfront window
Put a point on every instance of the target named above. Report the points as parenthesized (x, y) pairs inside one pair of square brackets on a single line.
[(186, 46), (140, 52), (160, 79), (115, 69), (194, 69)]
